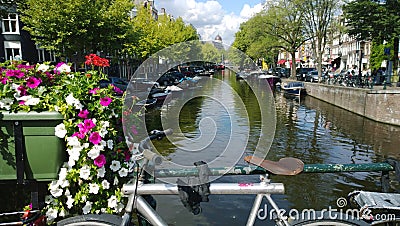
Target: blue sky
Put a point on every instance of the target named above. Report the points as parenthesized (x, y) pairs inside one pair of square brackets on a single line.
[(212, 18)]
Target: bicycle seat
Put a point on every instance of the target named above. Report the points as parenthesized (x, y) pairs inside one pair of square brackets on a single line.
[(285, 166)]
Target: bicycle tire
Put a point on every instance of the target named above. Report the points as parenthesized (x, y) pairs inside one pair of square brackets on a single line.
[(325, 218), (91, 220)]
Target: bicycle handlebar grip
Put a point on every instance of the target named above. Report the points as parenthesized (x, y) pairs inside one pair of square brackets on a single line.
[(151, 156)]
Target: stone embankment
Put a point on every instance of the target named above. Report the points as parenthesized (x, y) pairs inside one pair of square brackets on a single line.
[(377, 104)]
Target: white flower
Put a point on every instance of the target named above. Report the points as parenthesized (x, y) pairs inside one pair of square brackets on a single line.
[(70, 99), (73, 141), (112, 201), (43, 68), (105, 184), (110, 144), (63, 183), (116, 181), (32, 101), (55, 189), (101, 172), (74, 153), (60, 130), (94, 188), (86, 209), (62, 174), (71, 162), (94, 152), (51, 214), (115, 165), (6, 103), (70, 202), (84, 172), (63, 68), (57, 192), (123, 172)]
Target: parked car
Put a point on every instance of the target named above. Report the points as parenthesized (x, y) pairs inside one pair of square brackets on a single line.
[(301, 73), (312, 76), (115, 81)]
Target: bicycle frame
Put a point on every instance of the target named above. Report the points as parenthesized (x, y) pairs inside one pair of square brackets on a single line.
[(262, 189)]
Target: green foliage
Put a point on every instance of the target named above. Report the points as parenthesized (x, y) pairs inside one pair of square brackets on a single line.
[(210, 53), (71, 26), (377, 53), (369, 19), (152, 35)]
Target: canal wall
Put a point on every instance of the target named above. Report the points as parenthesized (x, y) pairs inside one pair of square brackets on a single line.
[(376, 104)]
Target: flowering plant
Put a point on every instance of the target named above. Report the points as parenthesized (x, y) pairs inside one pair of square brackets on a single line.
[(98, 160)]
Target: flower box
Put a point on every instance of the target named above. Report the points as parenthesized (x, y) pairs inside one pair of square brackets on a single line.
[(29, 150)]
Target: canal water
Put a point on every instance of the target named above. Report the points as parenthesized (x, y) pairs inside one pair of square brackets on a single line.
[(306, 128)]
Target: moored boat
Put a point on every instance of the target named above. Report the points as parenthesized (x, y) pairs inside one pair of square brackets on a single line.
[(294, 88)]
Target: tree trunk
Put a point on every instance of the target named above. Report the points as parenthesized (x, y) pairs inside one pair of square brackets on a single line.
[(293, 65)]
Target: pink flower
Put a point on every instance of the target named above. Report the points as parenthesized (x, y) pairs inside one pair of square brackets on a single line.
[(22, 90), (15, 73), (105, 101), (79, 135), (94, 91), (89, 124), (95, 138), (117, 90), (4, 80), (83, 114), (33, 82), (100, 161)]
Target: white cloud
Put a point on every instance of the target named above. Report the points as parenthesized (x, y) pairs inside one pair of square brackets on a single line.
[(209, 17)]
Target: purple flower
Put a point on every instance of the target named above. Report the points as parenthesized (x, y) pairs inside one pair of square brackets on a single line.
[(33, 82), (15, 73), (83, 114), (22, 90), (117, 90), (23, 66), (94, 91), (105, 101), (4, 80), (100, 161), (79, 135), (95, 138)]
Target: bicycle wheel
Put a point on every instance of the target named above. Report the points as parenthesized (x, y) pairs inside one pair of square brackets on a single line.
[(91, 220), (327, 219)]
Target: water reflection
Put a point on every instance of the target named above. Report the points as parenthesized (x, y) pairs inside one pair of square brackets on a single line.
[(313, 131)]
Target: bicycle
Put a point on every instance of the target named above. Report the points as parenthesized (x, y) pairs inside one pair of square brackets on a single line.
[(140, 190)]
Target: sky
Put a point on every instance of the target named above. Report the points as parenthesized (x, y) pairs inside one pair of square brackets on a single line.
[(212, 18)]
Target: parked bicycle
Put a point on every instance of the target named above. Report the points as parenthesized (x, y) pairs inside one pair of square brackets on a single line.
[(140, 201)]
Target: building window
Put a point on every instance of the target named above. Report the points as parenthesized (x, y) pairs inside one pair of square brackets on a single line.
[(10, 24), (12, 50), (45, 55)]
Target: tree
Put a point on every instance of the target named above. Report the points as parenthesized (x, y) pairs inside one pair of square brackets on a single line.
[(369, 19), (318, 19), (285, 22), (210, 53), (77, 26)]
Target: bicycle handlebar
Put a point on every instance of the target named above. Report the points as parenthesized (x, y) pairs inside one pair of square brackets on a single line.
[(145, 148)]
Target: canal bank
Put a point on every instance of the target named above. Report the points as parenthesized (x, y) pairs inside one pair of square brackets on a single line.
[(376, 104)]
